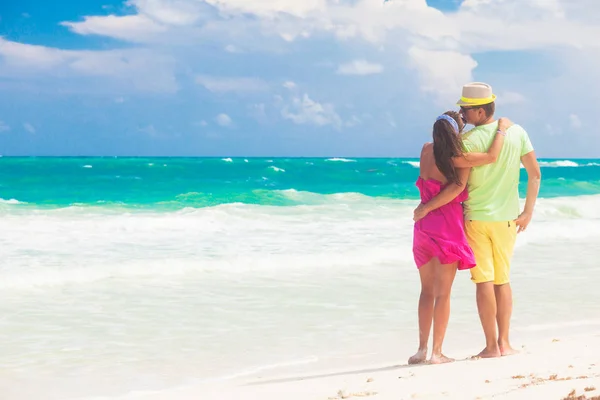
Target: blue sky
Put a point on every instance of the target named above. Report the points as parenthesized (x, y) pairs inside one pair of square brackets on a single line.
[(289, 77)]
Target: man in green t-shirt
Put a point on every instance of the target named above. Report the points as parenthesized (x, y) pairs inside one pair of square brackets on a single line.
[(492, 218)]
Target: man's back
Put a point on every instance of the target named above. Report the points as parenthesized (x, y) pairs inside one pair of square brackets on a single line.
[(494, 188)]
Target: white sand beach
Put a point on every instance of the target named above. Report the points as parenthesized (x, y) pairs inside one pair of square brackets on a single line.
[(311, 302), (554, 369)]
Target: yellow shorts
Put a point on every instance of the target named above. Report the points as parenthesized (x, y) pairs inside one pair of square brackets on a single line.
[(493, 244)]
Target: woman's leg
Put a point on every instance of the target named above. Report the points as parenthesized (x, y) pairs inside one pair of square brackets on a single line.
[(444, 277), (426, 301)]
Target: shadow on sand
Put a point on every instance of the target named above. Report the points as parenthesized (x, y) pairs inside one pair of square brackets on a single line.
[(343, 373)]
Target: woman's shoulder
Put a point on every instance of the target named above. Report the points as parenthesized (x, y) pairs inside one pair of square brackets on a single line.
[(427, 150)]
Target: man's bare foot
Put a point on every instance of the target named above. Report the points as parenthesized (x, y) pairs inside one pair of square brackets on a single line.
[(488, 353), (440, 359), (507, 350), (418, 358)]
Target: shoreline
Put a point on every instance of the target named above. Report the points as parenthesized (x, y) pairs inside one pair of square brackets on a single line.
[(563, 368)]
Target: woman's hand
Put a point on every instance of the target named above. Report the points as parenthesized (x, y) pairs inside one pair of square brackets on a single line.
[(504, 123)]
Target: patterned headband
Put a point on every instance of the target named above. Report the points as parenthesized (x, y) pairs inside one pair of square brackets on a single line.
[(449, 119)]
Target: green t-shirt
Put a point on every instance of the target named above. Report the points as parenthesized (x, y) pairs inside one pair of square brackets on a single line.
[(494, 188)]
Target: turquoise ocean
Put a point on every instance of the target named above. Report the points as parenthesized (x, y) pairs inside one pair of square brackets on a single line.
[(128, 275)]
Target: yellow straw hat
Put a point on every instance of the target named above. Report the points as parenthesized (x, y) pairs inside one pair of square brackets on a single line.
[(476, 94)]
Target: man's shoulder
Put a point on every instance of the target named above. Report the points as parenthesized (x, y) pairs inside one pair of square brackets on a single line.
[(470, 135), (482, 130), (521, 139), (474, 139), (466, 135), (516, 128)]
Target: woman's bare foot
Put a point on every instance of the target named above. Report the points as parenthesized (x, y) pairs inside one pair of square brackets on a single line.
[(507, 350), (440, 359), (488, 353), (419, 357)]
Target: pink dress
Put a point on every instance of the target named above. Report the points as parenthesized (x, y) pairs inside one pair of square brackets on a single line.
[(441, 233)]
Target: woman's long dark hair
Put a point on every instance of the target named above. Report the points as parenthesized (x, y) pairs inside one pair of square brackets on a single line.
[(447, 144)]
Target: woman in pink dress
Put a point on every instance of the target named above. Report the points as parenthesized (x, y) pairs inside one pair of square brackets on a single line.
[(440, 246)]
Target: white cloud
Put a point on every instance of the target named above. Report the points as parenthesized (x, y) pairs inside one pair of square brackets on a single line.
[(438, 46), (442, 72), (259, 112), (290, 85), (307, 111), (127, 27), (534, 24), (153, 17), (353, 121), (28, 127), (19, 55), (232, 49), (141, 69), (288, 19), (4, 127), (224, 120), (222, 84), (505, 98), (201, 123), (171, 12), (271, 8), (360, 67), (410, 27), (575, 121)]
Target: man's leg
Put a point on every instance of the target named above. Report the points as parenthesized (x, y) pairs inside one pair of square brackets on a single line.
[(504, 236), (483, 276), (504, 305), (486, 305)]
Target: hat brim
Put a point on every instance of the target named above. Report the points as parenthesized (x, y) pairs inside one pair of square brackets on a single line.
[(464, 101)]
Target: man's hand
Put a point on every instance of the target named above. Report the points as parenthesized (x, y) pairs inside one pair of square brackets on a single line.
[(522, 221), (420, 212), (534, 176)]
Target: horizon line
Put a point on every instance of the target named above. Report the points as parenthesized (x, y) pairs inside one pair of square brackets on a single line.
[(249, 157)]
